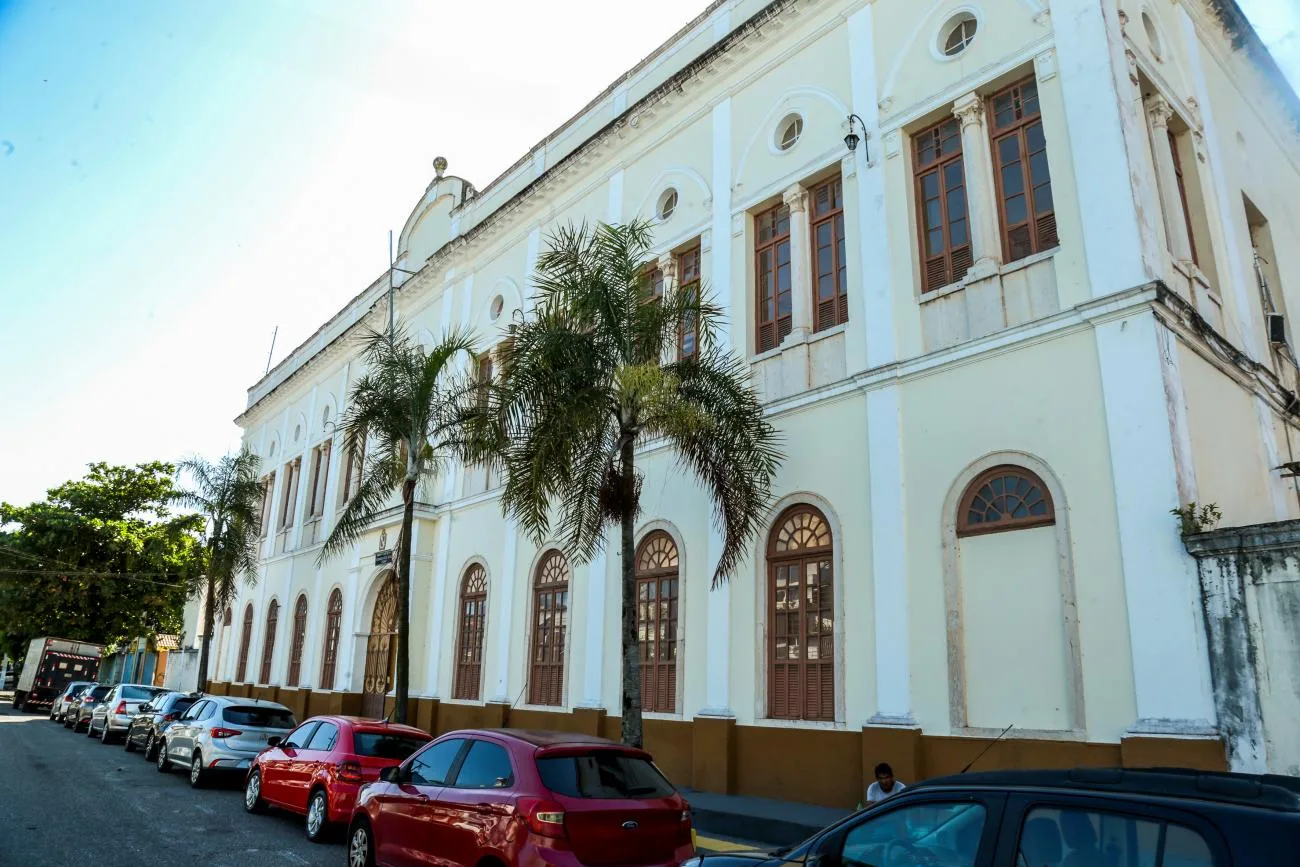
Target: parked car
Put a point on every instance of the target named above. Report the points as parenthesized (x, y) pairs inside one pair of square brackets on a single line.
[(80, 708), (112, 716), (222, 733), (156, 717), (318, 768), (60, 705), (1155, 818), (515, 797)]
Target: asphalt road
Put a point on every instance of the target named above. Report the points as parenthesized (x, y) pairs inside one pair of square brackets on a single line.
[(67, 800)]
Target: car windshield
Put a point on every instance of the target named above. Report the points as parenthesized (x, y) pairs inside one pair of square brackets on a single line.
[(385, 745), (603, 774), (259, 717), (139, 693)]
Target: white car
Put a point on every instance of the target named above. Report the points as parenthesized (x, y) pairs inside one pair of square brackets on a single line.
[(112, 716), (59, 707), (222, 733)]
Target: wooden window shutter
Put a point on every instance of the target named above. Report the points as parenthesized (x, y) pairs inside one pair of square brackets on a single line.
[(299, 636), (469, 640), (245, 637), (268, 648), (330, 652), (801, 617), (550, 630)]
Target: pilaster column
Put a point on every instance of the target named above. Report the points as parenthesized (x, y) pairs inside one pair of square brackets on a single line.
[(500, 616), (437, 606), (717, 684), (981, 203), (801, 324), (593, 667), (1159, 113)]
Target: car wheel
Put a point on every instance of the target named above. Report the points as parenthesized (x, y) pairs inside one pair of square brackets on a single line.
[(318, 816), (361, 846), (127, 743), (162, 762), (51, 714), (253, 802), (105, 736), (90, 728), (197, 777), (150, 748)]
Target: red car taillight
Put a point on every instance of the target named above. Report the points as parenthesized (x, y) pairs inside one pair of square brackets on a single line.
[(121, 708), (349, 772), (168, 717), (225, 733), (684, 827), (545, 818)]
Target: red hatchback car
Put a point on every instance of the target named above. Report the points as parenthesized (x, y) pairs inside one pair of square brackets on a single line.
[(521, 799), (318, 768)]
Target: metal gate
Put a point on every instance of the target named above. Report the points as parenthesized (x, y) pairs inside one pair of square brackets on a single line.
[(380, 651)]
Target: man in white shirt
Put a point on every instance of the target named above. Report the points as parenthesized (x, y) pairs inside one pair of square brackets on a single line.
[(885, 785)]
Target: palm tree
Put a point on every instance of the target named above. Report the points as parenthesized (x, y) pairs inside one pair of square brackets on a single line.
[(229, 494), (404, 414), (585, 380)]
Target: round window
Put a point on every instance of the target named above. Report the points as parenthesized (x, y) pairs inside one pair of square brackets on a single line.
[(958, 33), (789, 131), (271, 452), (297, 432), (325, 417), (498, 304), (667, 203), (1153, 36)]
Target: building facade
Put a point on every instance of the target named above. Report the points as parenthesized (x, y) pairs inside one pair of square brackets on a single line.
[(1039, 304)]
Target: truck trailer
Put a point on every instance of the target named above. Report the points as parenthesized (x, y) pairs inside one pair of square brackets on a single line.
[(50, 664)]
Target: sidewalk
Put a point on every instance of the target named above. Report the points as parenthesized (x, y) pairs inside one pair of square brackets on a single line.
[(762, 821)]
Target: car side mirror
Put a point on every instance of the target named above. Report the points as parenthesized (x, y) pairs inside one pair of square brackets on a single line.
[(274, 741), (391, 774)]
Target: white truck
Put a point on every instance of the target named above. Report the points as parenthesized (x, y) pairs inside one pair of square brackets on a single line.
[(48, 667)]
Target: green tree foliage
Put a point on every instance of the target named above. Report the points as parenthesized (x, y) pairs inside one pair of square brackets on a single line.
[(101, 559), (592, 373), (405, 414)]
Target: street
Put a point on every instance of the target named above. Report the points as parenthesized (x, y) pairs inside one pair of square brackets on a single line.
[(66, 799)]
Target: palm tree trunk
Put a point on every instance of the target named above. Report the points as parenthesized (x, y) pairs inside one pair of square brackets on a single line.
[(209, 616), (403, 674), (632, 730)]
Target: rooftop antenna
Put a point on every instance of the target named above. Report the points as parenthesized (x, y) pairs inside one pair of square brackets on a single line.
[(272, 352), (987, 748), (439, 166)]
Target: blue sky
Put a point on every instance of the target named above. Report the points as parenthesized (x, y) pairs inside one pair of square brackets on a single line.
[(177, 178)]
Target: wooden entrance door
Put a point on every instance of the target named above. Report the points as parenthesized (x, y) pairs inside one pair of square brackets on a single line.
[(381, 650)]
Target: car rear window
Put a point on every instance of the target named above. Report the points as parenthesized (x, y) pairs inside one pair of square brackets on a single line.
[(139, 693), (259, 717), (181, 703), (603, 774), (100, 691), (384, 745)]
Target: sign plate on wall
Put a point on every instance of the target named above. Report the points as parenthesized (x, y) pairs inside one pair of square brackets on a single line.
[(383, 558)]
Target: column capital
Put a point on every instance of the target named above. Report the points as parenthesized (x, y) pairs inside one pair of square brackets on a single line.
[(969, 109), (795, 198), (1159, 111), (667, 266)]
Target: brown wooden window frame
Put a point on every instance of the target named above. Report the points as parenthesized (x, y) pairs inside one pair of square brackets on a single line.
[(268, 646), (688, 268), (658, 564), (983, 488), (470, 628), (289, 498), (246, 637), (549, 639), (268, 491), (1183, 200), (787, 549), (333, 630), (769, 332), (832, 311), (320, 475), (1041, 225), (949, 265), (299, 639), (354, 462)]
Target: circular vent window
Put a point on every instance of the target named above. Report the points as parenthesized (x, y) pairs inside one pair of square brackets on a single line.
[(957, 35), (1153, 36), (789, 132), (498, 304), (667, 203)]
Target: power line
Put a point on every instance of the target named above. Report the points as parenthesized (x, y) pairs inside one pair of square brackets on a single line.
[(35, 558), (130, 576)]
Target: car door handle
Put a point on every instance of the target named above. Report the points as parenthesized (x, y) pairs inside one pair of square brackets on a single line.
[(489, 809)]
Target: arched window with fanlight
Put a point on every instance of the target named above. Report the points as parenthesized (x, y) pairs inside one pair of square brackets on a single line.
[(469, 634), (656, 621), (246, 636), (801, 617), (299, 638), (550, 630), (1004, 498), (268, 646), (330, 652)]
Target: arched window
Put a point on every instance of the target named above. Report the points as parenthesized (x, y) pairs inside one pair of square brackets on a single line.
[(229, 616), (1004, 498), (801, 618), (333, 623), (550, 625), (268, 648), (242, 669), (299, 636), (656, 621), (469, 633)]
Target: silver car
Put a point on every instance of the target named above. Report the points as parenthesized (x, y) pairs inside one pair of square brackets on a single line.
[(112, 716), (222, 733), (60, 705)]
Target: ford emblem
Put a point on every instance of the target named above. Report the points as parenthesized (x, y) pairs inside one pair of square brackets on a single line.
[(630, 826)]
